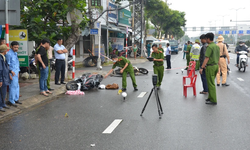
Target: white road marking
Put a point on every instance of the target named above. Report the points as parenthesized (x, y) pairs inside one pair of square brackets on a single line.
[(240, 79), (112, 126), (142, 94)]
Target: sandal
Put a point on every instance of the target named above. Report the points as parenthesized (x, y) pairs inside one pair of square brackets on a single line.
[(202, 92), (44, 94), (49, 92)]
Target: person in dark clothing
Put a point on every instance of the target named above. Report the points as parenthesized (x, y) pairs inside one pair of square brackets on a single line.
[(43, 66), (202, 58), (240, 47), (4, 76)]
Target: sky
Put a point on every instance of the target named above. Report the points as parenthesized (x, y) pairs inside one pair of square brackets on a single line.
[(200, 12)]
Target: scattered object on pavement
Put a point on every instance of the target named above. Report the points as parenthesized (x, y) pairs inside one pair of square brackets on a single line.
[(33, 76), (124, 95), (102, 86), (137, 71), (87, 81), (77, 92), (177, 73), (25, 75), (66, 115), (119, 92), (113, 86), (92, 145), (182, 71)]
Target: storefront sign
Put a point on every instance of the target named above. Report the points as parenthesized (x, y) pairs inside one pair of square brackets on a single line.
[(21, 36), (124, 16), (112, 14), (117, 43)]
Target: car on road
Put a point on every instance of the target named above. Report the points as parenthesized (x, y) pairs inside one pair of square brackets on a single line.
[(174, 46)]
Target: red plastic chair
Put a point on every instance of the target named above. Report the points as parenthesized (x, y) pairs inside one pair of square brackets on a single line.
[(192, 84), (191, 67)]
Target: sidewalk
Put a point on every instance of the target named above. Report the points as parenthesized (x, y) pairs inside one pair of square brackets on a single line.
[(29, 89)]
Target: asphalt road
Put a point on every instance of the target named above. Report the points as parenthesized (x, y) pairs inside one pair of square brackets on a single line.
[(187, 123)]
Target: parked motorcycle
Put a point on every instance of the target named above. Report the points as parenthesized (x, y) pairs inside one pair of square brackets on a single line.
[(86, 81), (243, 59), (91, 61), (32, 64), (137, 71), (53, 64)]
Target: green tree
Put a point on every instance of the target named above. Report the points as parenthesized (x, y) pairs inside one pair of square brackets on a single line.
[(41, 18)]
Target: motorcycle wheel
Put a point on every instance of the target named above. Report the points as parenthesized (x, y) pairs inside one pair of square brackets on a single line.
[(90, 62), (244, 66), (33, 69), (143, 70), (72, 85)]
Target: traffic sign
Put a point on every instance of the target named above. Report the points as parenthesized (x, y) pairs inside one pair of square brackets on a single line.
[(227, 32), (240, 31), (248, 31), (220, 32), (93, 31), (234, 32)]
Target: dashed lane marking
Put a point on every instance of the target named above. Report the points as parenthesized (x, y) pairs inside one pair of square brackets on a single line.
[(240, 79), (112, 126), (142, 94)]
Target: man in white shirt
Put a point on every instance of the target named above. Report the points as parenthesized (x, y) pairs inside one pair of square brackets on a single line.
[(168, 56), (59, 51)]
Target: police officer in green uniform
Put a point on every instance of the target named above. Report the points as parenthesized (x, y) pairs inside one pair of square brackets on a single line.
[(158, 64), (188, 53), (211, 65), (160, 48), (126, 68)]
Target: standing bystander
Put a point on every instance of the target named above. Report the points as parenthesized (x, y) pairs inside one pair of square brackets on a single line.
[(184, 50), (189, 46), (135, 49), (202, 58), (4, 76), (13, 63), (60, 51), (195, 53), (43, 66), (211, 65), (168, 56), (2, 41), (50, 57)]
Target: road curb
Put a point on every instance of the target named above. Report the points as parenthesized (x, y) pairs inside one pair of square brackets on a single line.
[(31, 102)]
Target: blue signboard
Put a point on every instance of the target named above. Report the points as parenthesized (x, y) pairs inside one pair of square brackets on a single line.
[(233, 32), (240, 31), (248, 31), (93, 31), (220, 32), (227, 32), (0, 30)]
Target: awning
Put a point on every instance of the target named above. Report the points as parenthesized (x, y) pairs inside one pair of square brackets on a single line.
[(151, 38), (112, 27)]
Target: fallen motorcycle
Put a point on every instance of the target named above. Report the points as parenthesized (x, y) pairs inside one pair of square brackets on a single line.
[(86, 82), (137, 71)]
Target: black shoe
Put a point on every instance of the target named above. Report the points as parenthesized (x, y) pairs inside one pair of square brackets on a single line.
[(186, 69), (63, 83), (2, 110), (211, 103), (135, 89), (124, 89), (218, 84), (18, 102), (50, 89), (57, 84), (225, 84), (6, 107), (9, 103), (207, 100)]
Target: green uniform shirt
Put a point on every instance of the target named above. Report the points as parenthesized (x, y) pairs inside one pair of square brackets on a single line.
[(121, 62), (161, 49), (213, 53), (189, 49), (158, 55)]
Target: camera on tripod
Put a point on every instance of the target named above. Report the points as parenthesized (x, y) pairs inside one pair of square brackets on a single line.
[(154, 79)]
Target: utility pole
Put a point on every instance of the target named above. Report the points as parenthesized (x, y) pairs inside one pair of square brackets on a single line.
[(142, 27), (107, 23)]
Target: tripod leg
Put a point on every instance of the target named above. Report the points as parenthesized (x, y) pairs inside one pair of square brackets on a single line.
[(146, 102), (157, 102), (158, 98)]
